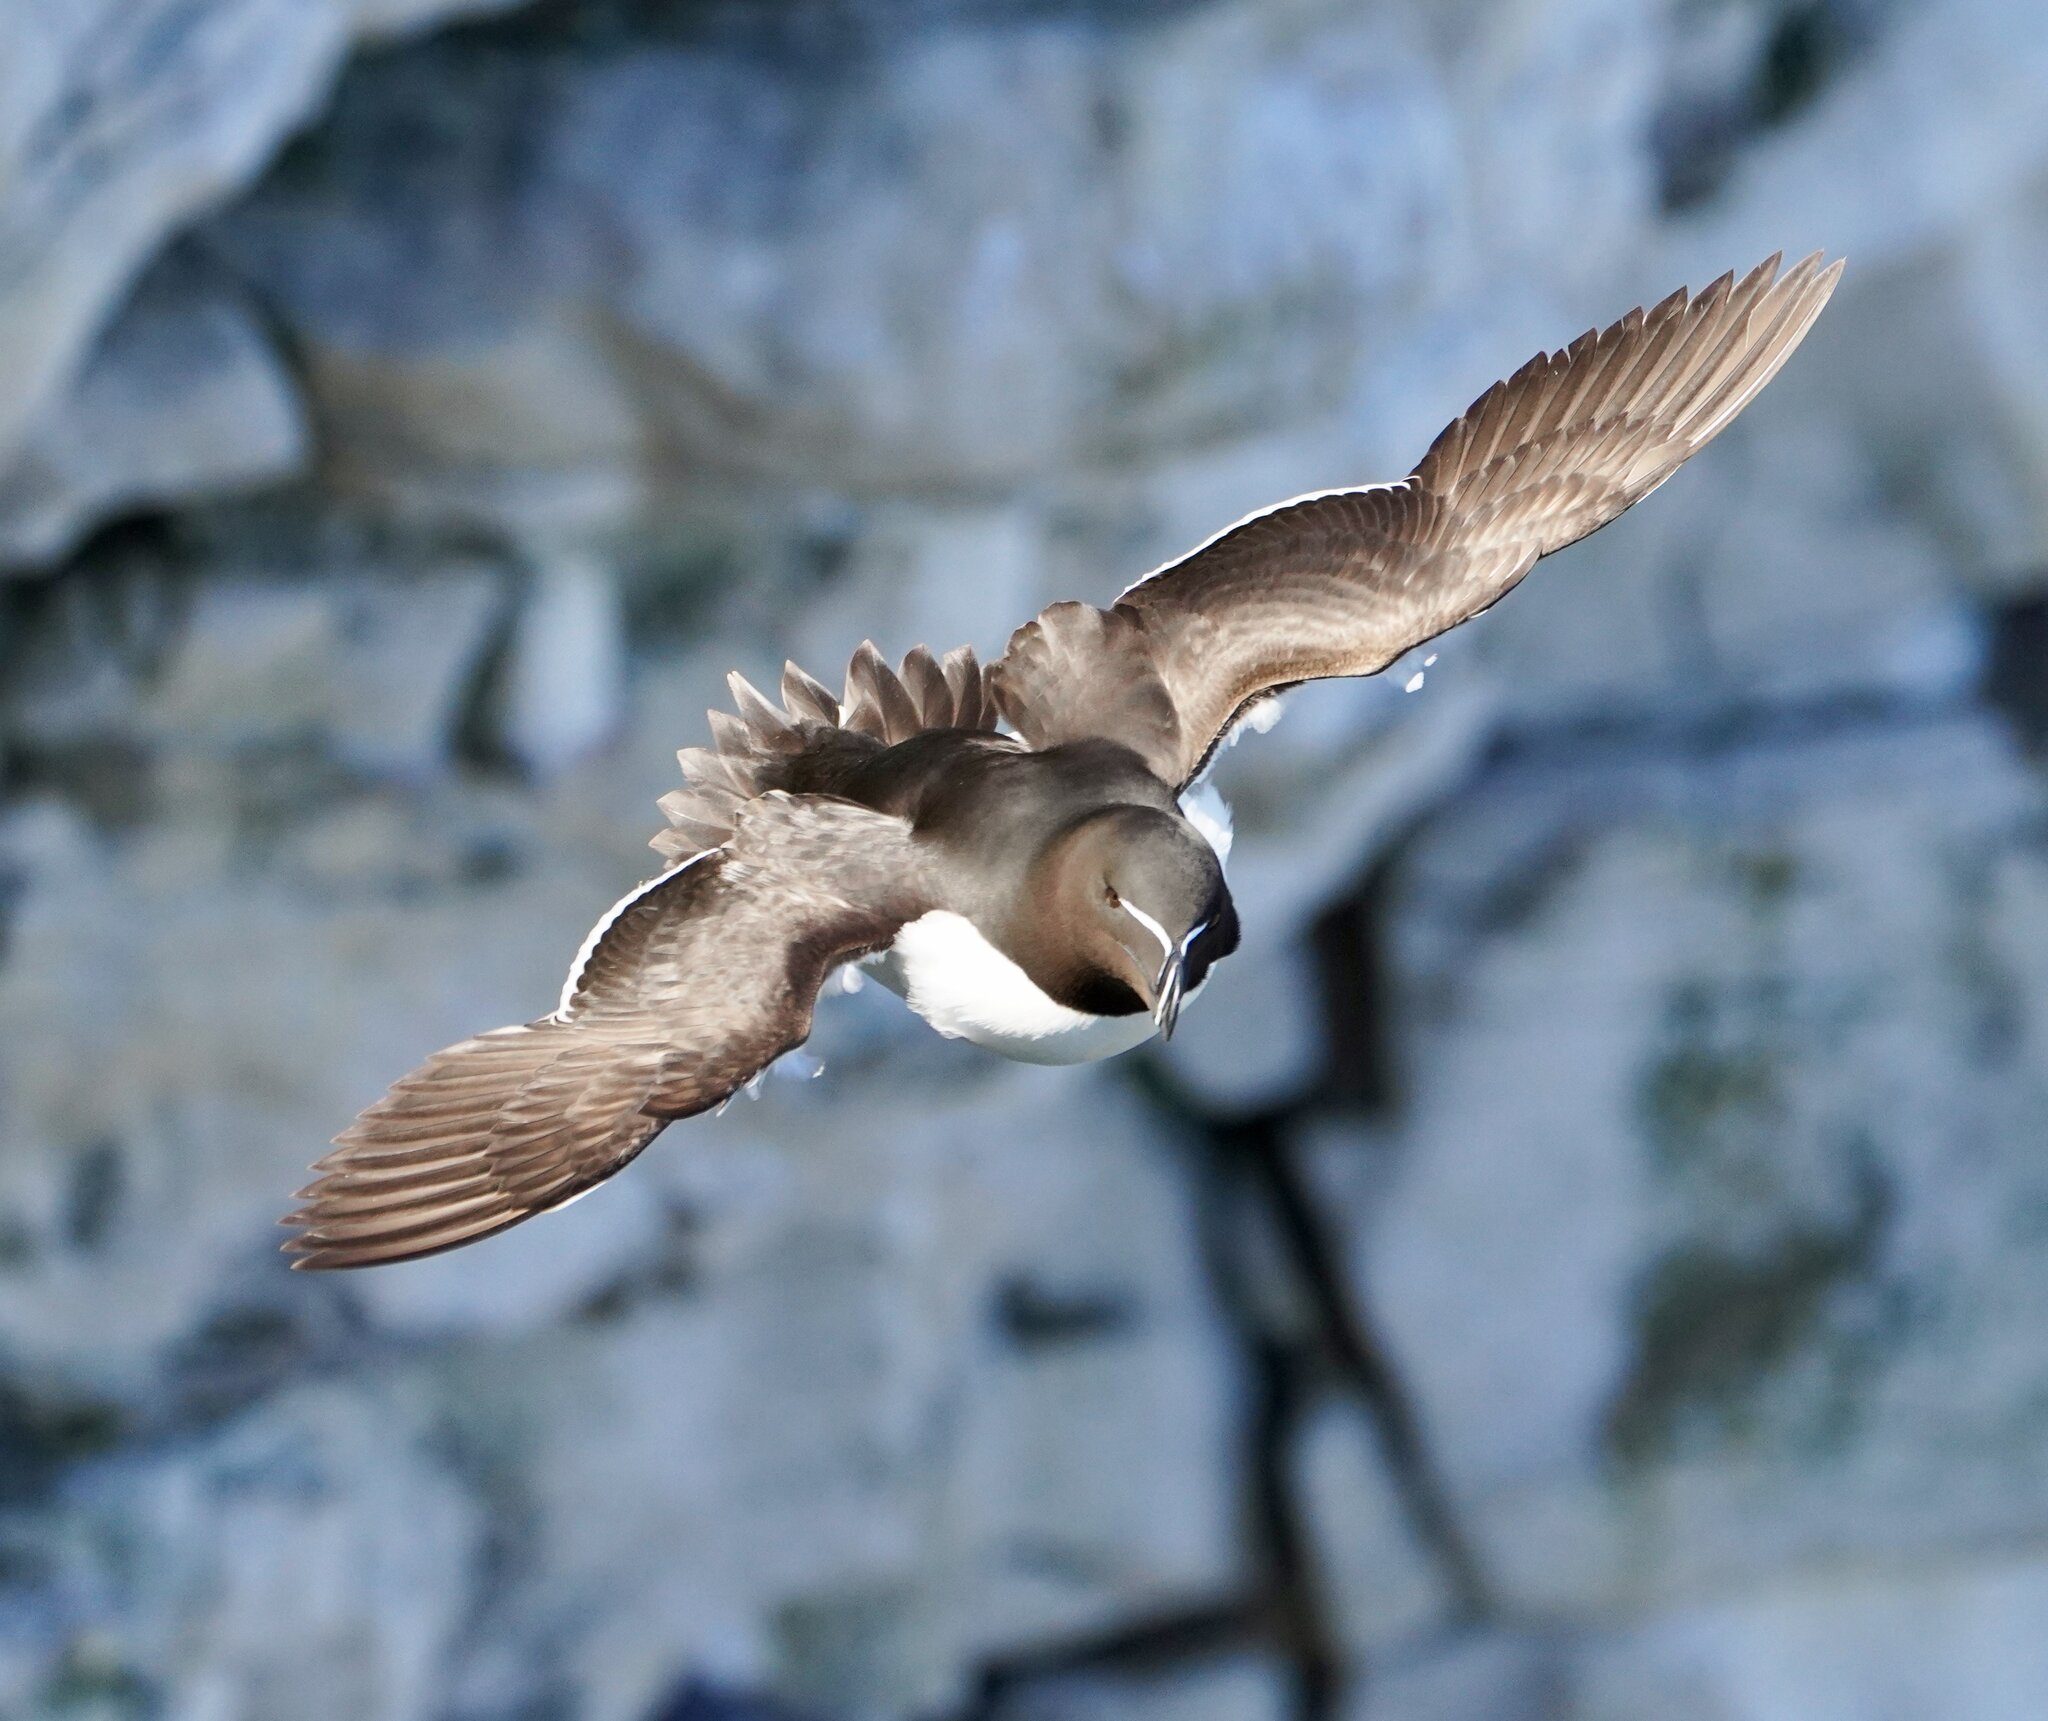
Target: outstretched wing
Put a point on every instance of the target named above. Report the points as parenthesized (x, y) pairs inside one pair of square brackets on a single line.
[(1344, 582), (681, 994)]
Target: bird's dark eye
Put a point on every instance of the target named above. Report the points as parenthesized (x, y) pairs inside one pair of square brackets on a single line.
[(1109, 895)]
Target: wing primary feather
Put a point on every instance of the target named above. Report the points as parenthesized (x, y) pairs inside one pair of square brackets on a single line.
[(1343, 582), (689, 986)]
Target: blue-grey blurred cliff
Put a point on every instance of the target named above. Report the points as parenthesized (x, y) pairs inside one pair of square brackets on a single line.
[(1587, 1258)]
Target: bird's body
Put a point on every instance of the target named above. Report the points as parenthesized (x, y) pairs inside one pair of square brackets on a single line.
[(972, 967), (981, 963), (944, 967), (1034, 888)]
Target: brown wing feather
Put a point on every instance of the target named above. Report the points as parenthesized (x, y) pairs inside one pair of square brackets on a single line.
[(1344, 583), (690, 988)]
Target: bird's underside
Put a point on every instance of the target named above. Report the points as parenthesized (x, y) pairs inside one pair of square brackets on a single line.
[(802, 838)]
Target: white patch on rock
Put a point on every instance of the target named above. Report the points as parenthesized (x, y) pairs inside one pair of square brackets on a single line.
[(565, 673)]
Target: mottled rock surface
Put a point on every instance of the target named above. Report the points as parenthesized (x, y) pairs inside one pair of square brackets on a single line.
[(1701, 1050), (121, 121), (1584, 1260)]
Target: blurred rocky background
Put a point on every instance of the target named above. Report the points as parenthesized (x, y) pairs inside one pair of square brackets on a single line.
[(1587, 1258)]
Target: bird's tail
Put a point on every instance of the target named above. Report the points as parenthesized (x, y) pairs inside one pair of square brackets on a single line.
[(758, 749)]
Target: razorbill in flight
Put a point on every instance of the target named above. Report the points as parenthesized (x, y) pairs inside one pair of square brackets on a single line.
[(1006, 844)]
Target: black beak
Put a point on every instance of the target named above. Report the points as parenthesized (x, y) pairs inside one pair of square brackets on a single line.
[(1166, 994)]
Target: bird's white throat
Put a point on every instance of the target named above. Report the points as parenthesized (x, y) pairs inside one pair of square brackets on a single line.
[(969, 990)]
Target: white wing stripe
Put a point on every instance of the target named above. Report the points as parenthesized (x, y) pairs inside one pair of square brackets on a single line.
[(1257, 514), (611, 916)]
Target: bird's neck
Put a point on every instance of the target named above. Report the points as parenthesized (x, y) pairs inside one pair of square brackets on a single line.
[(1069, 957)]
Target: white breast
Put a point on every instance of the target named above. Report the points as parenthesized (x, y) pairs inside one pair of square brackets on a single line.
[(969, 990)]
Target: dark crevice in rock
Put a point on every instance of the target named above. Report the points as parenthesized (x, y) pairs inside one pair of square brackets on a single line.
[(1034, 1315), (1355, 1353), (701, 1701), (1300, 1619), (1281, 1365), (248, 1351), (1701, 136), (239, 1357), (12, 885), (1358, 1064), (99, 1176), (283, 340), (229, 1364), (1282, 1612), (108, 782), (1281, 1282), (474, 740), (45, 1429), (780, 29), (92, 1679), (76, 652), (1165, 1640), (115, 607), (2016, 676), (1810, 46), (672, 1268)]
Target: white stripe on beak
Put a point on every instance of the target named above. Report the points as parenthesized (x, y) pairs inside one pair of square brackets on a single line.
[(1167, 988)]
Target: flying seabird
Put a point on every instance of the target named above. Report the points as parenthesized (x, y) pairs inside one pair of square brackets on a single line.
[(1006, 845)]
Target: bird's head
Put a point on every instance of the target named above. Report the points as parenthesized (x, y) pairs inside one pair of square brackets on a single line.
[(1149, 893)]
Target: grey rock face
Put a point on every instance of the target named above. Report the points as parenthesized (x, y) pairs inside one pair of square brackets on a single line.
[(1014, 1404), (1698, 1054), (863, 1388), (376, 669), (1383, 1584), (120, 124), (312, 1557), (1840, 1646), (872, 300), (1664, 1341), (121, 121), (183, 397), (1504, 1676)]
